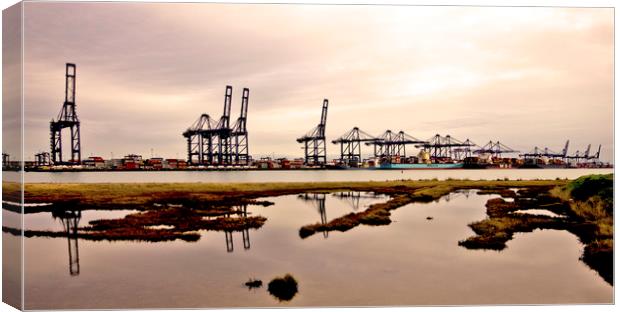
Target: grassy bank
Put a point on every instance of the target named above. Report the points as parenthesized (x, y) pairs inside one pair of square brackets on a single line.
[(584, 206), (113, 195), (185, 208)]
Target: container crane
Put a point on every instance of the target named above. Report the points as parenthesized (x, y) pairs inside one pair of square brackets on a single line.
[(315, 151)]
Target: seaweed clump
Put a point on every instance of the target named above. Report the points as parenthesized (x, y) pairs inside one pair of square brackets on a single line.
[(156, 225), (254, 283), (283, 288)]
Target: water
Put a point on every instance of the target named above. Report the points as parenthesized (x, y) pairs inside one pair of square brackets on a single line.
[(299, 175), (413, 261)]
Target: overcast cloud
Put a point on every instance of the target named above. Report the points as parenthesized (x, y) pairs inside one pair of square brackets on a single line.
[(145, 72)]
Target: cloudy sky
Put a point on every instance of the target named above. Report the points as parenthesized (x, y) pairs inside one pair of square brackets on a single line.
[(145, 72)]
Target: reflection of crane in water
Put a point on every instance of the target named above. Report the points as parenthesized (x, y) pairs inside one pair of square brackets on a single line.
[(353, 198), (455, 194), (242, 210), (318, 200), (70, 220)]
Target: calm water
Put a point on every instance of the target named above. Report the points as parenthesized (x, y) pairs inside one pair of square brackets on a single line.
[(413, 261), (300, 175)]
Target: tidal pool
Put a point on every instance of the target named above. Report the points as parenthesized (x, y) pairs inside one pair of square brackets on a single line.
[(413, 261)]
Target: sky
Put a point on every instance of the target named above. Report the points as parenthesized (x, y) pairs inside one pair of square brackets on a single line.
[(146, 71)]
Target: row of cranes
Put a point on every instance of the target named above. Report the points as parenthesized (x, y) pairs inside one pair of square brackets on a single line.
[(387, 145), (211, 142), (442, 148), (550, 154), (392, 144), (219, 143)]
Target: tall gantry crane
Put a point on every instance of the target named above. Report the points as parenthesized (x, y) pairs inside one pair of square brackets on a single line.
[(315, 151), (598, 153), (467, 150), (390, 144), (6, 159), (496, 149), (67, 118), (223, 132), (200, 141), (546, 152), (350, 145), (240, 132), (445, 147), (586, 155), (215, 142), (42, 159)]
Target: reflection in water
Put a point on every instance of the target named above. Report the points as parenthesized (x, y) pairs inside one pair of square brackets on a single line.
[(353, 198), (456, 194), (241, 210), (318, 199), (70, 220), (410, 262)]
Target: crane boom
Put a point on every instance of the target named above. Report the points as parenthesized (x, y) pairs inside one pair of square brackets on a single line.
[(324, 113)]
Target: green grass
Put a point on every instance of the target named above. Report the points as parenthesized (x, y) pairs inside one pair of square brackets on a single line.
[(133, 193), (586, 203)]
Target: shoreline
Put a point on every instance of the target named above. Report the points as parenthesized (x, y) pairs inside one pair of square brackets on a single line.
[(142, 192), (189, 207), (228, 169)]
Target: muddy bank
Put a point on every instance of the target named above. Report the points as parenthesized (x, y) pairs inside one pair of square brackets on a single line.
[(379, 214), (589, 217), (111, 196), (169, 211)]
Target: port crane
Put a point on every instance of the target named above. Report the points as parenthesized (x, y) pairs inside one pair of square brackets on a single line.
[(350, 145), (390, 144), (215, 142), (598, 153), (200, 141), (315, 151), (67, 118), (546, 152), (496, 149), (586, 154), (240, 132), (445, 147), (6, 159), (462, 152), (42, 159), (222, 131)]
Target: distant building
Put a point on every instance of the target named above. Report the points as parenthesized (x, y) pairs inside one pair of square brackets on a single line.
[(266, 163), (94, 162), (171, 163), (156, 163), (114, 163), (132, 162), (297, 163)]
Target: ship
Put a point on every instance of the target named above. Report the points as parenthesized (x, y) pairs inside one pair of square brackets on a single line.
[(421, 166), (423, 161)]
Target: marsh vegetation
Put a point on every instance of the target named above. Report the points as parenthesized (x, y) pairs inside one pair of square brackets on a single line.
[(171, 211)]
